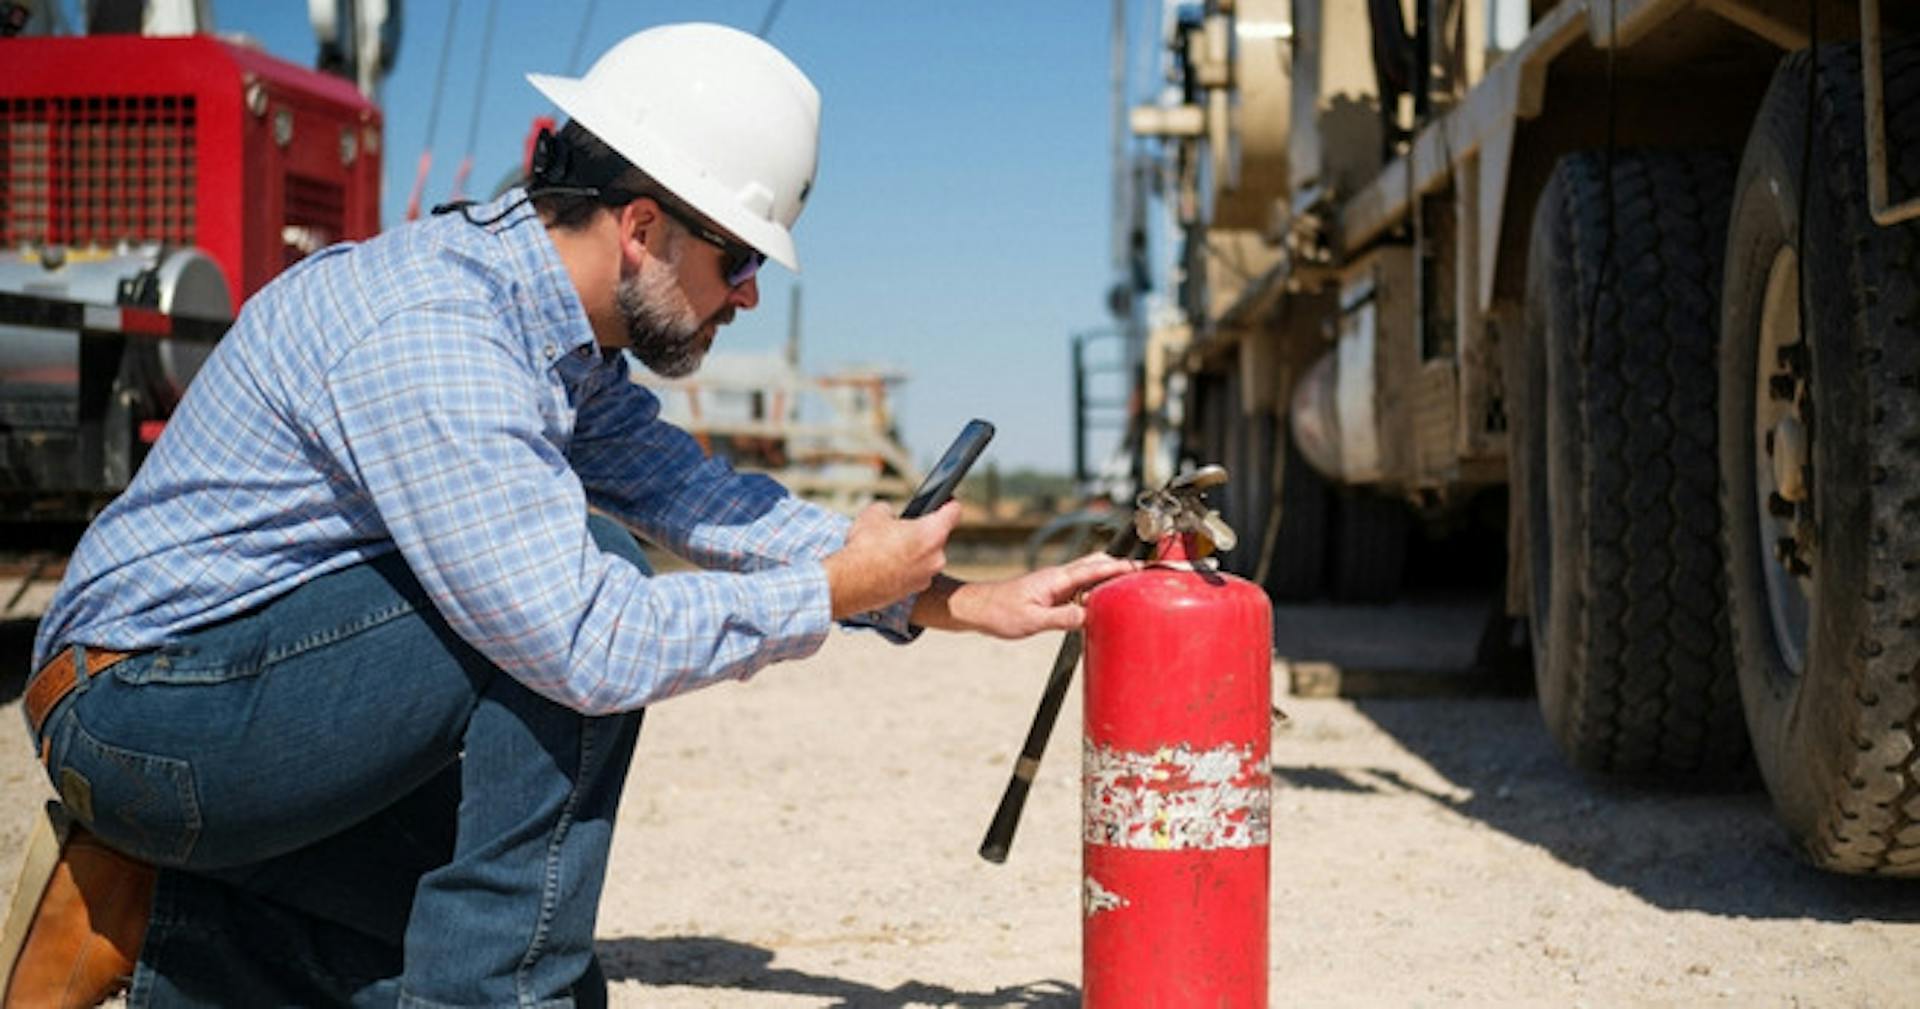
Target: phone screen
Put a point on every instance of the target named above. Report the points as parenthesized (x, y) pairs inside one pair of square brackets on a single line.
[(946, 474)]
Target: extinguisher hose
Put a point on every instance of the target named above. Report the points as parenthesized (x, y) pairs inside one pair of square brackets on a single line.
[(1006, 818)]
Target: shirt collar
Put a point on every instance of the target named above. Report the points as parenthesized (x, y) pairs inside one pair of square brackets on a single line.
[(549, 306)]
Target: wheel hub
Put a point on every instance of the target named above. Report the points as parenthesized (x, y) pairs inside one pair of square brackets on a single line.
[(1783, 460)]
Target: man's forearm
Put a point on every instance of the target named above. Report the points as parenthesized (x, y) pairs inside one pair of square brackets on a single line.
[(935, 607)]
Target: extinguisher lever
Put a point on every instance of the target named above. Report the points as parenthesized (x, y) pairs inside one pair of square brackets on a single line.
[(1006, 817), (1180, 508)]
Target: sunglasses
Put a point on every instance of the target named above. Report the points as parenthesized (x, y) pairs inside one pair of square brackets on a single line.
[(738, 261)]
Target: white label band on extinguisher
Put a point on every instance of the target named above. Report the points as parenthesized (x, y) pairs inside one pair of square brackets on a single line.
[(1176, 798)]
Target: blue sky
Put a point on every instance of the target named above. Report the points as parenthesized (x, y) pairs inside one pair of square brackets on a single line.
[(960, 224)]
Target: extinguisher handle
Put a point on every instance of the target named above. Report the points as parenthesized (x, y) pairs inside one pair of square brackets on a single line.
[(1006, 817)]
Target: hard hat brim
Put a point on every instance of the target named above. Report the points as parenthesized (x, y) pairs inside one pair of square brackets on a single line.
[(671, 168)]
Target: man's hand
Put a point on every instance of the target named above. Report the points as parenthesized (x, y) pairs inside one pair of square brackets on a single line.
[(1042, 600), (887, 559)]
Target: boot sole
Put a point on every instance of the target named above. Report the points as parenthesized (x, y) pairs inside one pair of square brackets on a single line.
[(50, 834)]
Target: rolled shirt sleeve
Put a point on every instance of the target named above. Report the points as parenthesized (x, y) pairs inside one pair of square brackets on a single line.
[(437, 419), (654, 476)]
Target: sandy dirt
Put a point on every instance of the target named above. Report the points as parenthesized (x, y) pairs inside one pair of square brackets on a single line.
[(807, 839)]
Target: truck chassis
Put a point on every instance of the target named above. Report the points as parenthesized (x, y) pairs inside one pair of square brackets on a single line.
[(1653, 278)]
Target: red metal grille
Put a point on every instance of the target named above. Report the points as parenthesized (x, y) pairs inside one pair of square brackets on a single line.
[(316, 216), (95, 170)]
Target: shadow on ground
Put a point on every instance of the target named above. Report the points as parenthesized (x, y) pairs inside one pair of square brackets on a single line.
[(1713, 852), (1717, 853), (16, 651), (723, 964)]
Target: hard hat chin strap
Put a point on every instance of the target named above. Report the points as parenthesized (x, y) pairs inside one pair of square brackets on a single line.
[(553, 164), (561, 164), (465, 207)]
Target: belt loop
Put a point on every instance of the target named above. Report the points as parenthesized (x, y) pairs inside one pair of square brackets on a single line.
[(80, 676), (68, 672)]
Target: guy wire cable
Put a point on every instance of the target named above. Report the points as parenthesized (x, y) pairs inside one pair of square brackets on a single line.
[(433, 115), (479, 91), (773, 12), (580, 39)]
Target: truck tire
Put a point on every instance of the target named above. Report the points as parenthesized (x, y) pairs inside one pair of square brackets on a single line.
[(1820, 433), (1297, 570), (1249, 449), (1632, 662), (1250, 482), (1368, 552)]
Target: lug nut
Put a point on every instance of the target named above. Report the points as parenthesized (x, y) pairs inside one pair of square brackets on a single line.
[(1793, 357), (1790, 451)]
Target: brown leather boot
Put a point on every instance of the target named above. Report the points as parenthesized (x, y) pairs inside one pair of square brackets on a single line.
[(76, 922)]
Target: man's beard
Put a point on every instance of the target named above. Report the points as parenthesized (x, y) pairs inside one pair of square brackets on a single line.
[(662, 329)]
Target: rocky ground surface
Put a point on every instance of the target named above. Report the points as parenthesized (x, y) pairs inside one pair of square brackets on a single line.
[(807, 839)]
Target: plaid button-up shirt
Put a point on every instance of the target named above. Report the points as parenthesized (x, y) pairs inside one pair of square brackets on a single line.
[(437, 390)]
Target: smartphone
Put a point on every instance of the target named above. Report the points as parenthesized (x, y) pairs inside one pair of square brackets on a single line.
[(945, 475)]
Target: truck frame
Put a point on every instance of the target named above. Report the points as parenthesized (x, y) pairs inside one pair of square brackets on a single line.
[(1646, 280)]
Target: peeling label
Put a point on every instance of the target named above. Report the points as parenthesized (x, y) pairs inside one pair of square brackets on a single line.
[(1098, 898), (1176, 798)]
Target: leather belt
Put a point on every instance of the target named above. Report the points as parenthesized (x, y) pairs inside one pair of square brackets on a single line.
[(55, 680)]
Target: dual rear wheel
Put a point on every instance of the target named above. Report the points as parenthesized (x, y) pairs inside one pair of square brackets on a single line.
[(1718, 465), (1820, 458)]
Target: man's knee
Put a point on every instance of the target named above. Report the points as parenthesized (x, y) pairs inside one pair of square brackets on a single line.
[(615, 539)]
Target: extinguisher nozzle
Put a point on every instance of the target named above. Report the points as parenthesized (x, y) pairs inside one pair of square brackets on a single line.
[(1006, 818)]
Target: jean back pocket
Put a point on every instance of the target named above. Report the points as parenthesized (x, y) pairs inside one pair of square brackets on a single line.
[(143, 804)]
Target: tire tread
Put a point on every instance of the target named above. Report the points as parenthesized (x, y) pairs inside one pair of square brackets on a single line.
[(1871, 826), (1653, 687)]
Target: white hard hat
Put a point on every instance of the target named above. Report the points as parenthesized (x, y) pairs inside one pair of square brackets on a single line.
[(717, 116)]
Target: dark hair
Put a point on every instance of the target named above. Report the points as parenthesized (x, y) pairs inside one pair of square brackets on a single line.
[(588, 162)]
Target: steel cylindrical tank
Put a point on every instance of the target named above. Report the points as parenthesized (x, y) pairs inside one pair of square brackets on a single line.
[(1177, 790)]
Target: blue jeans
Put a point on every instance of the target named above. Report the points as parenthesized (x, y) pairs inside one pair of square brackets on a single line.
[(349, 805)]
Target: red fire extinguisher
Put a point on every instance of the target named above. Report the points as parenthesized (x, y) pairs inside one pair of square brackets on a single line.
[(1176, 779)]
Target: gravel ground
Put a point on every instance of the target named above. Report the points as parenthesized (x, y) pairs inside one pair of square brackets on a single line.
[(807, 839)]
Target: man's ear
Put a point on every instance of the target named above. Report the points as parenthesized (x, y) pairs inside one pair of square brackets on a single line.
[(638, 221)]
